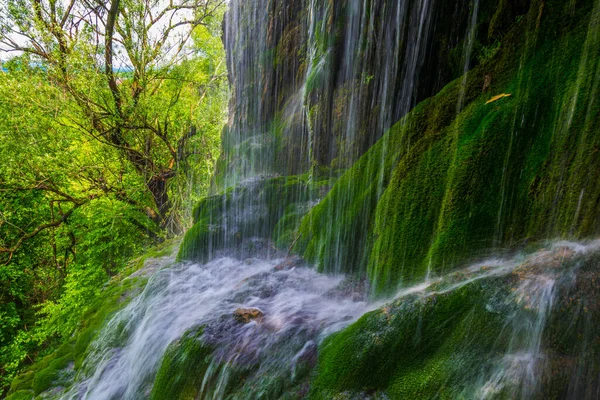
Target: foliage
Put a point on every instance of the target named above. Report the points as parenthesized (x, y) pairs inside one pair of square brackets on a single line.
[(57, 365), (128, 75), (74, 204)]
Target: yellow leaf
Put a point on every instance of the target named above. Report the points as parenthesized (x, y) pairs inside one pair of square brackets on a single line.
[(498, 97)]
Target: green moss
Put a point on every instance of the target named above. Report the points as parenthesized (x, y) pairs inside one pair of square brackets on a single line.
[(417, 347), (456, 177), (21, 395), (285, 231), (198, 241), (53, 375), (22, 381), (276, 205), (114, 298), (188, 371), (182, 369), (448, 344)]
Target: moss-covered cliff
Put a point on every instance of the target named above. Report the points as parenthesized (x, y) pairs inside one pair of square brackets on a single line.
[(456, 176), (319, 82), (502, 158), (467, 172)]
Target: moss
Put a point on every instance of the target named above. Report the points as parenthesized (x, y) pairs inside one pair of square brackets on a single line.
[(22, 381), (456, 178), (252, 210), (199, 240), (52, 375), (43, 374), (285, 231), (183, 367), (189, 371), (417, 347), (448, 344), (113, 299), (21, 395), (166, 248)]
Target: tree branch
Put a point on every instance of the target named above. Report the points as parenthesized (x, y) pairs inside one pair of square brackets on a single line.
[(55, 223)]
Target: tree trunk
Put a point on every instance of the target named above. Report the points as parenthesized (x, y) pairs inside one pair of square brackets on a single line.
[(157, 185)]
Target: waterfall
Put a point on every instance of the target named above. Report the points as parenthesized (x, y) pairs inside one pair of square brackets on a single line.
[(297, 309), (362, 138), (300, 307), (320, 82)]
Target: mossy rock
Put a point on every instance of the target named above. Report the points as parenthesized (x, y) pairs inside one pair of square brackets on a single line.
[(46, 373), (182, 369), (572, 336), (450, 344), (460, 175), (189, 371), (268, 208), (21, 395), (54, 375), (416, 347)]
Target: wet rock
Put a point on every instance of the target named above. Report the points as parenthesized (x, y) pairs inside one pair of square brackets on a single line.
[(245, 315), (289, 263), (354, 288)]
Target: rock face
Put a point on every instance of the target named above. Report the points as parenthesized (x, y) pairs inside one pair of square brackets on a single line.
[(527, 334), (459, 176), (319, 82), (245, 315)]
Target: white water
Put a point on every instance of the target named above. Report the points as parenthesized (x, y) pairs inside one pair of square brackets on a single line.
[(301, 307), (297, 303), (518, 373)]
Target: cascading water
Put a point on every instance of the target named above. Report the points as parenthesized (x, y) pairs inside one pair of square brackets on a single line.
[(295, 309), (320, 82), (299, 308), (520, 368)]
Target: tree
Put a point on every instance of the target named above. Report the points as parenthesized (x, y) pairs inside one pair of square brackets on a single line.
[(106, 137), (119, 62)]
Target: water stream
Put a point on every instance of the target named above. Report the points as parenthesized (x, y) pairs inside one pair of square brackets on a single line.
[(300, 306), (298, 309)]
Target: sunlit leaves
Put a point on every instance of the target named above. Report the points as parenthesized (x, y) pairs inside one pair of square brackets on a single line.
[(57, 114)]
